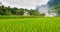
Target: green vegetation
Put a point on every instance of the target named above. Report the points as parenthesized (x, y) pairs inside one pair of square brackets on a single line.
[(30, 25), (15, 11), (13, 20), (57, 8), (17, 16)]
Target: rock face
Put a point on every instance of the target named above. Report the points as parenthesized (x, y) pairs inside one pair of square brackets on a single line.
[(53, 2)]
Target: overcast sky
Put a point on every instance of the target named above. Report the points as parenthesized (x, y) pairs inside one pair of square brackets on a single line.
[(23, 3)]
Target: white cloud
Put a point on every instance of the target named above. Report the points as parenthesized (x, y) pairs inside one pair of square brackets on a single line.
[(23, 3)]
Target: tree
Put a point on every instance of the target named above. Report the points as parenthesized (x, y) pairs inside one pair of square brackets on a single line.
[(34, 12), (42, 14), (14, 10), (20, 11), (8, 10), (2, 10)]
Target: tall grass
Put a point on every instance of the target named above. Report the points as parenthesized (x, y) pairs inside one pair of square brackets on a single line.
[(17, 16), (30, 25)]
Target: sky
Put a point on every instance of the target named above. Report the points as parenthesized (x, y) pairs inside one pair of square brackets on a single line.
[(29, 4)]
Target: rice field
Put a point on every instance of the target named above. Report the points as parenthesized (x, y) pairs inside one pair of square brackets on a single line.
[(30, 25)]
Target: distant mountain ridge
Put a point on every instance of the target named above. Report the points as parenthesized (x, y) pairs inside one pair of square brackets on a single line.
[(53, 2), (37, 7), (46, 8)]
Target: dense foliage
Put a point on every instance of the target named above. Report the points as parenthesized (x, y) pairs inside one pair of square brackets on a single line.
[(16, 11)]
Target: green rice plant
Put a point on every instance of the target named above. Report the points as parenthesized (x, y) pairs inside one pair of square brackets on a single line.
[(30, 25)]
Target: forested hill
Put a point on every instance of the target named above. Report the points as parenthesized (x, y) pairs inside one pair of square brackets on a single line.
[(53, 2)]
